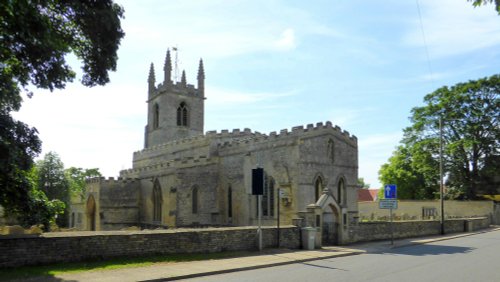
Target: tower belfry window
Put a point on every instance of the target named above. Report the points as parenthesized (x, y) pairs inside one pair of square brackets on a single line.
[(156, 116), (182, 115)]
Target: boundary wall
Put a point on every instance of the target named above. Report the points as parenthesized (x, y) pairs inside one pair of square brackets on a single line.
[(373, 231), (50, 248), (425, 210)]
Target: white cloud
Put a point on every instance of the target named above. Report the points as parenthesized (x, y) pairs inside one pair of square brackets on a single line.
[(286, 40), (454, 27), (89, 127), (222, 97)]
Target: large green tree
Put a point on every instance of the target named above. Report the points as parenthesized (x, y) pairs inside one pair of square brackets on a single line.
[(35, 37), (469, 114), (404, 170)]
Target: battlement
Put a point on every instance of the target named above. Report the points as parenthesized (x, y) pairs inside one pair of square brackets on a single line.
[(174, 163), (295, 131), (197, 140), (118, 180)]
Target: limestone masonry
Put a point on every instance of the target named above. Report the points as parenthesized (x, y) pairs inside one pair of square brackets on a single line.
[(184, 177)]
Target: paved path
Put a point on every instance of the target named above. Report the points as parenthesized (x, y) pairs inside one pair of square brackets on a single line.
[(269, 258)]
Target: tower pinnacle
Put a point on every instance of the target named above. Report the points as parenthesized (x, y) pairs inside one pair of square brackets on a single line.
[(151, 78), (167, 68), (201, 78), (183, 79)]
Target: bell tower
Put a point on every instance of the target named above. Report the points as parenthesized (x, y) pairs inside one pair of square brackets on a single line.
[(176, 109)]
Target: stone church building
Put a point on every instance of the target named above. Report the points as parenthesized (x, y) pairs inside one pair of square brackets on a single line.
[(184, 177)]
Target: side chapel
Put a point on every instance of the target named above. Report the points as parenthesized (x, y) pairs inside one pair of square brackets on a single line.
[(186, 178)]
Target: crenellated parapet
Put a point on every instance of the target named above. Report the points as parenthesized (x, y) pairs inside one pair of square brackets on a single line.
[(295, 132), (111, 180), (172, 164), (202, 149), (194, 142)]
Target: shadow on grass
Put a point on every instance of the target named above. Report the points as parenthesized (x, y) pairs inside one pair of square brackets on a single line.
[(48, 272)]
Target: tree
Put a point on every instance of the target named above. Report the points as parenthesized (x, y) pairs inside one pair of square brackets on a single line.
[(402, 170), (35, 37), (362, 184), (471, 139), (76, 178), (38, 34), (19, 144), (477, 3), (52, 181)]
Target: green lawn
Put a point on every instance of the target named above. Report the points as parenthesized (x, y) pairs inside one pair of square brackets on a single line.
[(114, 263)]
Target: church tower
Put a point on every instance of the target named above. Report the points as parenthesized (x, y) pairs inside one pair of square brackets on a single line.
[(175, 109)]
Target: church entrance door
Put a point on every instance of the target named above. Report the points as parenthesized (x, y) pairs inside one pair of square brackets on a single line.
[(330, 233), (91, 213)]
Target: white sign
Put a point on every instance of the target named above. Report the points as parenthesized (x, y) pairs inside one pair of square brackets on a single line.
[(388, 204)]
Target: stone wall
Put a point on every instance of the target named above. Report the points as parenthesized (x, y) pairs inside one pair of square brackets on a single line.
[(414, 210), (496, 214), (372, 231), (85, 246)]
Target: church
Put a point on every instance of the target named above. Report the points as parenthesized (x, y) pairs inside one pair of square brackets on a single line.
[(184, 177)]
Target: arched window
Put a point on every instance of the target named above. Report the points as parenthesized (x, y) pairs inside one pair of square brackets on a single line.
[(194, 198), (268, 197), (157, 202), (331, 150), (230, 202), (318, 188), (182, 115), (341, 192), (156, 116)]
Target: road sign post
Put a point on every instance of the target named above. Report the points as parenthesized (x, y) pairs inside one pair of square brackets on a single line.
[(390, 202)]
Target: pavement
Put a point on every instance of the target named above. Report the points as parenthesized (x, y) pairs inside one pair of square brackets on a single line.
[(267, 258)]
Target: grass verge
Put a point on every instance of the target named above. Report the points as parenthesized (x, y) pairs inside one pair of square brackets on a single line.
[(108, 264)]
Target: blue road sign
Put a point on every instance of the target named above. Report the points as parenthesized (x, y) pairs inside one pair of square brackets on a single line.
[(390, 191)]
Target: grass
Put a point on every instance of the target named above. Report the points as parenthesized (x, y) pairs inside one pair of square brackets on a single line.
[(112, 263)]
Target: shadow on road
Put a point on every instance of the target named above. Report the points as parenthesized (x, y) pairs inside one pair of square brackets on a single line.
[(424, 250)]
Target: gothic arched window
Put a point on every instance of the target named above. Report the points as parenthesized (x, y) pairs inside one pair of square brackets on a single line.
[(182, 115), (341, 192), (194, 199), (318, 188), (157, 202), (156, 116), (268, 197)]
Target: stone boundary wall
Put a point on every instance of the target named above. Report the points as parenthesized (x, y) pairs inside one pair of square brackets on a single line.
[(414, 210), (372, 231), (84, 246)]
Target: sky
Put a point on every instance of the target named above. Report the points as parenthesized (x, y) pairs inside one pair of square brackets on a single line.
[(271, 65)]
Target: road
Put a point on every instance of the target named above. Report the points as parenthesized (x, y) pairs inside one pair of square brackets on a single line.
[(470, 258)]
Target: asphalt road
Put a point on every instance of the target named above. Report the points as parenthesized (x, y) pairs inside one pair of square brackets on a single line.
[(470, 258)]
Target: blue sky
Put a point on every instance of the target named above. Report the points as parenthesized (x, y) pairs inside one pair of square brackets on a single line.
[(270, 65)]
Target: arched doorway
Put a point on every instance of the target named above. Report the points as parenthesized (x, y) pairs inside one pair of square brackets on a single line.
[(91, 213), (331, 219)]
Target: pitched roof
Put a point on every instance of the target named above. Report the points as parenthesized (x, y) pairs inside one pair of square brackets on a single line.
[(367, 195)]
